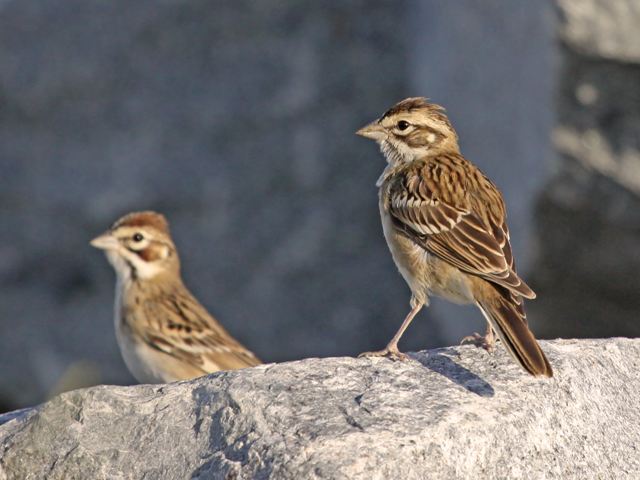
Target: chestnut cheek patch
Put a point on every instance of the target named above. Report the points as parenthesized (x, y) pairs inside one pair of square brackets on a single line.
[(151, 253)]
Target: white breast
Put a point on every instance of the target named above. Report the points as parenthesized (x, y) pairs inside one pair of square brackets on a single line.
[(425, 273), (144, 362)]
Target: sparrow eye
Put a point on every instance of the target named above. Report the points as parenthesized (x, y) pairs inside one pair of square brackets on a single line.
[(402, 125), (138, 237)]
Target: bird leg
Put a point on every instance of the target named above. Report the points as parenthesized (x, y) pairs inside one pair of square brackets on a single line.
[(487, 341), (391, 350)]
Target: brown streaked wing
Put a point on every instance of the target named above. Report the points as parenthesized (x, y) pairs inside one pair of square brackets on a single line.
[(180, 326), (489, 200), (430, 205)]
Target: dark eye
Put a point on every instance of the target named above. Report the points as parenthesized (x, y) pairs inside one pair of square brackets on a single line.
[(402, 125), (137, 237)]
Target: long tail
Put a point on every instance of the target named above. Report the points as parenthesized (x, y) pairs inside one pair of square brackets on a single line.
[(505, 314)]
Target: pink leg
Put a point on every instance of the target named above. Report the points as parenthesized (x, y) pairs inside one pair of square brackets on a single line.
[(391, 350)]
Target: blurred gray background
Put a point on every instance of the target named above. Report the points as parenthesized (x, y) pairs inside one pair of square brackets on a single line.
[(236, 120)]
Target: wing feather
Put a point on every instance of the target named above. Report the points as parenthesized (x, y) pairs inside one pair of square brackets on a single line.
[(458, 216), (180, 326)]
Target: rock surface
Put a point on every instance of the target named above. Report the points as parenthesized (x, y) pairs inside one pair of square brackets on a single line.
[(448, 413)]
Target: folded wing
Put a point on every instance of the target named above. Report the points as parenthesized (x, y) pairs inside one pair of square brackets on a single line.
[(180, 326), (455, 221)]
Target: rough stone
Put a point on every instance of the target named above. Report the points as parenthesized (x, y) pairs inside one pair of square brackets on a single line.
[(448, 413)]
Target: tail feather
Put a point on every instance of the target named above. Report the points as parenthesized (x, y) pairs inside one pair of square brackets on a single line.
[(507, 318)]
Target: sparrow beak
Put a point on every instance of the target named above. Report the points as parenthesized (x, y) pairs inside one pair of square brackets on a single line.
[(106, 241), (374, 131)]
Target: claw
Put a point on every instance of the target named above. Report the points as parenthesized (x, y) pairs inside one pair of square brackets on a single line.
[(487, 342), (390, 353)]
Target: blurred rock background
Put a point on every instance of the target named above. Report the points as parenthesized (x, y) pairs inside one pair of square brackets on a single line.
[(587, 272), (236, 120)]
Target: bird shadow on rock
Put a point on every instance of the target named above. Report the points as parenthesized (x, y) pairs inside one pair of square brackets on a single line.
[(445, 366)]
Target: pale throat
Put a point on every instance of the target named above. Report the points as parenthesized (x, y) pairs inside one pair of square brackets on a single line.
[(394, 157), (399, 152), (125, 268), (122, 269)]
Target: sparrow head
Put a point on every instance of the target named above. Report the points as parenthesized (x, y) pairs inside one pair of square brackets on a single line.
[(139, 246), (412, 129)]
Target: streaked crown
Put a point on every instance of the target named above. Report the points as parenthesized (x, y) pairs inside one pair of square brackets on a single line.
[(412, 129)]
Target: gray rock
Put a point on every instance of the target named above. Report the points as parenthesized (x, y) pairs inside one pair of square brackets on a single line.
[(448, 413), (602, 28)]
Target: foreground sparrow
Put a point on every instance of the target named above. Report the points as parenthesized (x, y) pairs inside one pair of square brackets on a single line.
[(163, 332), (445, 224)]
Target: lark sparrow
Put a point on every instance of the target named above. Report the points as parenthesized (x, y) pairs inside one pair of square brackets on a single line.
[(445, 224), (164, 333)]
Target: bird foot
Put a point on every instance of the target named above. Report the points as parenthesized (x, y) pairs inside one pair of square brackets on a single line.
[(487, 342), (390, 353)]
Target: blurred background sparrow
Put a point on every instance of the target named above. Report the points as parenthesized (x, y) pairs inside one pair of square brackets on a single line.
[(445, 224), (164, 333)]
